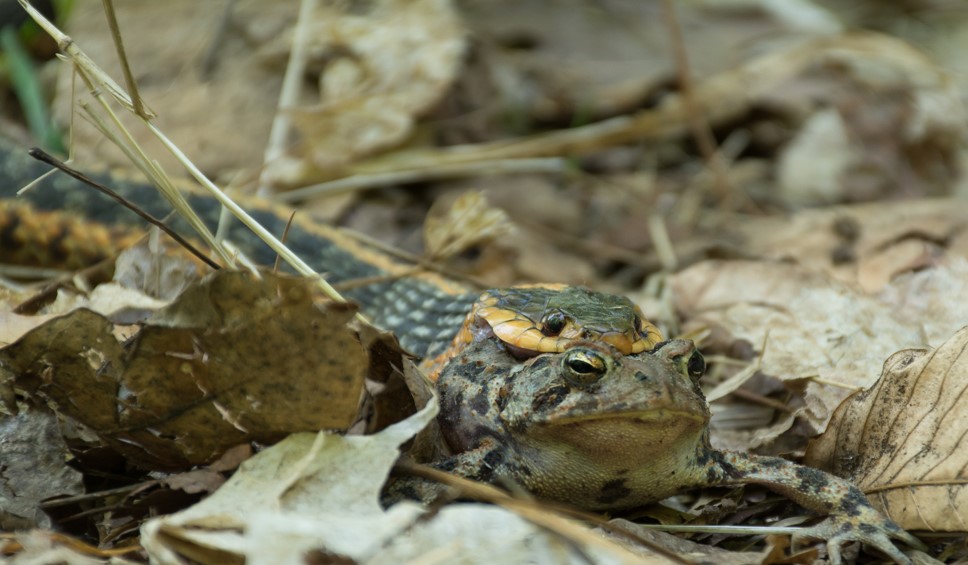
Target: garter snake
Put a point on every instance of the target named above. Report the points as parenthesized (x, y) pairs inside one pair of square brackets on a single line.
[(61, 222)]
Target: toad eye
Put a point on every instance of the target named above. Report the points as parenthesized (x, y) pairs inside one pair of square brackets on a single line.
[(583, 367), (696, 365), (645, 327), (553, 323)]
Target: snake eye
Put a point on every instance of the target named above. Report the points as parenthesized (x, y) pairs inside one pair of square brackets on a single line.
[(696, 365), (583, 367), (553, 323)]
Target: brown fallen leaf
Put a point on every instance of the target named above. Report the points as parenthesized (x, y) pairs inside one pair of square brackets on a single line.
[(234, 359), (196, 481), (905, 441)]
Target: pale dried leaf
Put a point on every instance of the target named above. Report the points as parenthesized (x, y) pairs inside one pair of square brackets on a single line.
[(866, 245), (14, 326), (931, 299), (110, 300), (468, 222), (147, 268), (192, 482), (322, 489), (905, 441), (384, 66), (810, 324), (317, 495), (811, 166)]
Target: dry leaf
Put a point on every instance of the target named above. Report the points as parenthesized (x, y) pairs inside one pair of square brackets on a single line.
[(866, 245), (33, 468), (146, 267), (14, 326), (929, 299), (316, 495), (813, 165), (468, 222), (385, 64), (192, 482), (321, 489), (232, 360), (808, 324), (904, 440)]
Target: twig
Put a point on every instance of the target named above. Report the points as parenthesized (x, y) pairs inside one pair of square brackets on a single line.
[(544, 514), (99, 494), (693, 110), (123, 58), (552, 165), (45, 157), (288, 95), (285, 236), (218, 37)]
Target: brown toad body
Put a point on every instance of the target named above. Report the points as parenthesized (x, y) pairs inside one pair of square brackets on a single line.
[(603, 431)]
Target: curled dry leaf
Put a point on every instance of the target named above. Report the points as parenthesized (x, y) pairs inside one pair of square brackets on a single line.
[(468, 222), (148, 268), (384, 66), (234, 359), (905, 441)]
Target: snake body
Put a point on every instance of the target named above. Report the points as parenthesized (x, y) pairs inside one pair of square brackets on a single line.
[(62, 222)]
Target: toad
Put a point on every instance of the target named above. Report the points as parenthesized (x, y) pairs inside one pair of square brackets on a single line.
[(606, 432)]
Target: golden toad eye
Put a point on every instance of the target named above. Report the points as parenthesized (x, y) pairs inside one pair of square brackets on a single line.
[(583, 367), (553, 323)]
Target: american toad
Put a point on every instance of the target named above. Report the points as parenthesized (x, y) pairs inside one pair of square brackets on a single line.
[(604, 431)]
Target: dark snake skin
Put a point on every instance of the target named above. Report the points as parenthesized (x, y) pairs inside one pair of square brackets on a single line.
[(424, 315)]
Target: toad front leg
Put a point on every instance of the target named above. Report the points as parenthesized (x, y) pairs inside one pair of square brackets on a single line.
[(486, 463), (850, 515)]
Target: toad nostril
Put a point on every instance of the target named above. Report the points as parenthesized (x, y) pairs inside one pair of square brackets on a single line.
[(640, 376)]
